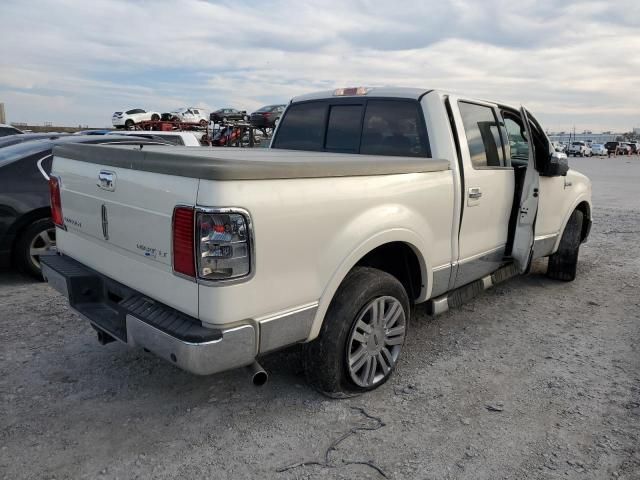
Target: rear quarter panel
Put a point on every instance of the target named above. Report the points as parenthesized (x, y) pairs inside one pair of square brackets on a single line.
[(310, 232)]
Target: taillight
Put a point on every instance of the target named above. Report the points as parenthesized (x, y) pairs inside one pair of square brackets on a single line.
[(224, 244), (56, 202), (184, 261)]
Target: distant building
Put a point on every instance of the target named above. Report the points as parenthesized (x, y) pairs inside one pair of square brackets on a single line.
[(583, 137)]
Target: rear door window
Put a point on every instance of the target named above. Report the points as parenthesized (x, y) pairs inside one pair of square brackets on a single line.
[(483, 135)]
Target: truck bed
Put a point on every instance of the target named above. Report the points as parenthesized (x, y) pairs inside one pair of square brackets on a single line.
[(247, 163)]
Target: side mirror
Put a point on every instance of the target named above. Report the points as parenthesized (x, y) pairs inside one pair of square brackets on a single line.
[(558, 165)]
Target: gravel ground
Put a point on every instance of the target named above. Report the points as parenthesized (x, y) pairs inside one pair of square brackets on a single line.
[(533, 379)]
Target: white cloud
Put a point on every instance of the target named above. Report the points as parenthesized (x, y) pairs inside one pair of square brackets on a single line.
[(570, 62)]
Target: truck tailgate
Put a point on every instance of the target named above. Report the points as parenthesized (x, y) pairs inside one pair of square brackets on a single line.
[(120, 225)]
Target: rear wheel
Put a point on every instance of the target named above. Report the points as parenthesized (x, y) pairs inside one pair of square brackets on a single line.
[(564, 263), (155, 117), (36, 240), (362, 335)]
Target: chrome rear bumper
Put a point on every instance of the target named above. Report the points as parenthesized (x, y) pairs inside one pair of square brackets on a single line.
[(128, 316)]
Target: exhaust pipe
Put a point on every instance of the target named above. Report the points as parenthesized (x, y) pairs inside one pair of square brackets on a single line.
[(258, 375)]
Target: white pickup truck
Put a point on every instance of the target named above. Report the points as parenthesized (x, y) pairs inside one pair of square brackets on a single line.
[(580, 149), (368, 201)]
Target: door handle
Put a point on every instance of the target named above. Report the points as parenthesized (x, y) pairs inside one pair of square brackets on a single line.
[(474, 192)]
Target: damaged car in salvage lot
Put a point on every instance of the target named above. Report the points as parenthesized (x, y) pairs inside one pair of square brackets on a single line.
[(132, 117), (369, 200)]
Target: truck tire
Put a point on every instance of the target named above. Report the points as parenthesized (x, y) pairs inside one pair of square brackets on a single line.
[(37, 239), (361, 337), (563, 264)]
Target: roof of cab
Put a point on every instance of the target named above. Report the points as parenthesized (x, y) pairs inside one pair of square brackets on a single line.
[(394, 92), (390, 92)]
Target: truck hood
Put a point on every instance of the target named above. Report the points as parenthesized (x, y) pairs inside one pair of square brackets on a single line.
[(247, 163)]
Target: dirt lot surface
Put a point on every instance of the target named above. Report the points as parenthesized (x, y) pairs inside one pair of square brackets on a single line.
[(533, 379)]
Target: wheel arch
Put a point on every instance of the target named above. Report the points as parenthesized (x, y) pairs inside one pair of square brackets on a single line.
[(583, 204), (375, 253), (18, 227)]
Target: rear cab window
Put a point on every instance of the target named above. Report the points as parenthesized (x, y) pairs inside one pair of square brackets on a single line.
[(371, 126)]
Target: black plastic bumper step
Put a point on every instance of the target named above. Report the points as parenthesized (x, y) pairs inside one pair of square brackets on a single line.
[(106, 303)]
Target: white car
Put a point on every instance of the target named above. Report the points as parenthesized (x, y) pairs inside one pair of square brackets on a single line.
[(580, 149), (368, 201), (187, 139), (132, 117), (191, 115), (598, 149)]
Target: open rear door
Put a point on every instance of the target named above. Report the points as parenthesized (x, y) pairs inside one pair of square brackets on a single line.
[(522, 249)]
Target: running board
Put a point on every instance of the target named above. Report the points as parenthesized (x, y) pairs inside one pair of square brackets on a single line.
[(461, 295)]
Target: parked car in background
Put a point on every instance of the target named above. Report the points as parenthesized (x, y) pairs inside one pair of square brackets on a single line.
[(559, 146), (6, 130), (227, 114), (190, 115), (129, 118), (28, 137), (188, 139), (26, 230), (624, 148), (612, 147), (267, 116), (579, 149), (95, 131), (635, 147), (598, 149)]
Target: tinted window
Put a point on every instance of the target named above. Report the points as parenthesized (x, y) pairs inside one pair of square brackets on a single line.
[(483, 135), (302, 127), (343, 130), (4, 131), (393, 127), (135, 110)]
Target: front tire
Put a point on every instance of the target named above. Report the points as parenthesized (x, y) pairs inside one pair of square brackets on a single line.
[(155, 118), (564, 263), (362, 335), (36, 240), (128, 125)]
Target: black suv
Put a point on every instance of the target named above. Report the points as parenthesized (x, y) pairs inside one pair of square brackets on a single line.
[(612, 147)]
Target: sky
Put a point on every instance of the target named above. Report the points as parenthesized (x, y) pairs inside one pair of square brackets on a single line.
[(572, 63)]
